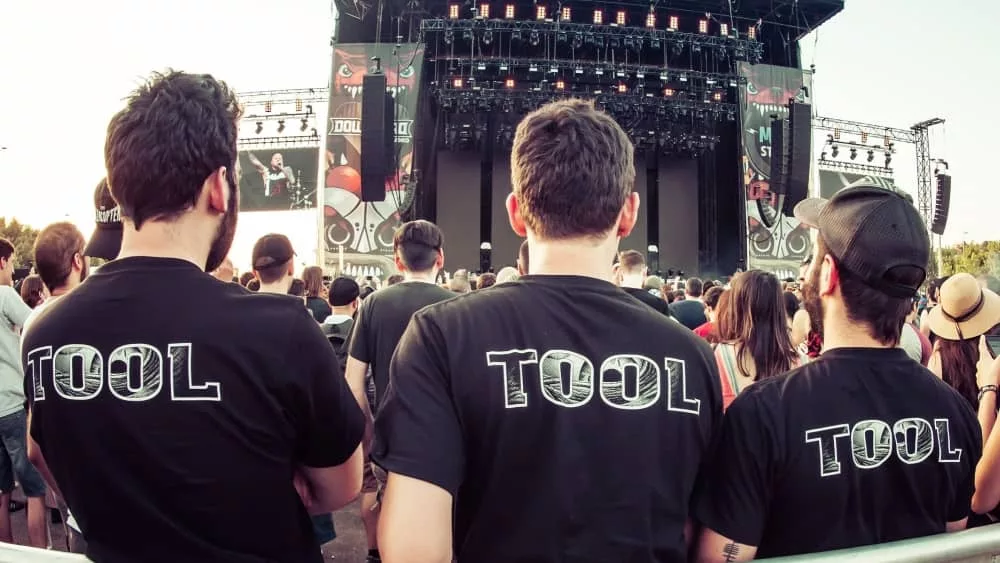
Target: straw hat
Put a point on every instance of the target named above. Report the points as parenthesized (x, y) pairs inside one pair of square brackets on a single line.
[(964, 310)]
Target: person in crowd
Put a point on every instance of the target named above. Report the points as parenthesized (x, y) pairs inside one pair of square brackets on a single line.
[(479, 432), (253, 285), (298, 289), (460, 284), (917, 346), (723, 328), (632, 272), (964, 313), (313, 278), (522, 259), (987, 495), (418, 250), (273, 264), (690, 309), (106, 240), (791, 303), (653, 284), (507, 274), (707, 285), (33, 291), (61, 265), (888, 465), (345, 298), (394, 279), (246, 278), (14, 462), (486, 280), (933, 294), (757, 346), (225, 271), (711, 301), (235, 431)]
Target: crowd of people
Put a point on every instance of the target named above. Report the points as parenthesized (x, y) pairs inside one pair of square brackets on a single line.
[(570, 408)]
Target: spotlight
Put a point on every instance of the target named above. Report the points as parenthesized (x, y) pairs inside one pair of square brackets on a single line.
[(724, 29), (620, 17), (260, 128), (717, 97), (888, 159), (508, 11), (309, 109), (540, 12), (702, 26), (822, 155), (315, 133), (864, 137), (267, 106), (621, 88), (836, 134), (457, 83), (298, 105), (871, 156), (305, 124), (534, 39), (674, 23), (566, 14), (651, 20), (752, 33), (487, 37), (834, 151), (560, 85), (829, 139), (854, 154), (453, 11), (669, 92), (598, 17), (281, 126), (484, 11), (509, 83)]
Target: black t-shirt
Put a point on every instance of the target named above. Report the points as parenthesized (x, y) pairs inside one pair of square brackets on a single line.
[(568, 420), (689, 312), (861, 446), (173, 408), (319, 308), (649, 299), (380, 323)]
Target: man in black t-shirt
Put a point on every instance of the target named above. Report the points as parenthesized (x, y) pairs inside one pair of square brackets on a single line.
[(556, 418), (380, 323), (690, 311), (632, 269), (862, 445), (184, 418)]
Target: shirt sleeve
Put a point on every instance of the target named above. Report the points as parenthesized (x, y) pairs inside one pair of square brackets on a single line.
[(361, 343), (328, 422), (735, 495), (14, 308), (417, 430)]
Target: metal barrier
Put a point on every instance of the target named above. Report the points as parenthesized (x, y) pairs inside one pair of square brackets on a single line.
[(968, 546), (10, 553)]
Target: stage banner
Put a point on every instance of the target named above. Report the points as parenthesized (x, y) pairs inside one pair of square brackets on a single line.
[(278, 179), (776, 242), (832, 181), (357, 236)]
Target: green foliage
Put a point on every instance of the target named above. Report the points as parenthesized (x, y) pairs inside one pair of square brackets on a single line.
[(22, 237), (977, 258)]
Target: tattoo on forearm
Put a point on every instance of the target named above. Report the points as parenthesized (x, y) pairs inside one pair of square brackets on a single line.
[(730, 552)]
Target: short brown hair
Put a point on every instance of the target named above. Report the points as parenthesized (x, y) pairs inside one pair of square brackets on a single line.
[(693, 287), (631, 261), (55, 248), (417, 244), (571, 170), (313, 278)]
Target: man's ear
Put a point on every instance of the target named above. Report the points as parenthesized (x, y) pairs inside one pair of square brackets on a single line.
[(217, 188), (514, 216)]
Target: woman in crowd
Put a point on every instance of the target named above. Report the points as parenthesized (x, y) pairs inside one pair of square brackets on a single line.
[(312, 277), (791, 307), (754, 330), (965, 312), (33, 291)]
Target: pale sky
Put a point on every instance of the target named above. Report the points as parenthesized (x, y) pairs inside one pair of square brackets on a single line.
[(66, 66)]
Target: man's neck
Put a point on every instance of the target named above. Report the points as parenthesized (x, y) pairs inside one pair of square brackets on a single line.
[(158, 239), (840, 332), (426, 277), (64, 289), (690, 297), (632, 281), (280, 287), (573, 257), (343, 311)]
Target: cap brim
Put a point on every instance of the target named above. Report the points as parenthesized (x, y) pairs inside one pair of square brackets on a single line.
[(105, 243), (978, 325), (807, 211)]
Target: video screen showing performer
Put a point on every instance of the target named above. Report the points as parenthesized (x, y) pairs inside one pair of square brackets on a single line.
[(285, 179)]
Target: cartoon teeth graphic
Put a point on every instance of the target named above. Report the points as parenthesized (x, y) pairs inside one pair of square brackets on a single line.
[(353, 91), (395, 91)]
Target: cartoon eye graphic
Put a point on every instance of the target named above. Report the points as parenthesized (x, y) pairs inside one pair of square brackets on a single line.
[(345, 71), (801, 96), (751, 89), (406, 72)]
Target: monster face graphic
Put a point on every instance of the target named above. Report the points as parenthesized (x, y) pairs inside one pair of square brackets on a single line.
[(767, 92), (364, 230)]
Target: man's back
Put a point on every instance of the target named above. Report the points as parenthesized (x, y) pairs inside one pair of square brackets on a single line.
[(381, 320), (885, 449), (649, 299), (581, 418), (172, 409), (689, 312)]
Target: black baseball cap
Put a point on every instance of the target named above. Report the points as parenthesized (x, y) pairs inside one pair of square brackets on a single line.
[(106, 242), (871, 231), (343, 291), (272, 250)]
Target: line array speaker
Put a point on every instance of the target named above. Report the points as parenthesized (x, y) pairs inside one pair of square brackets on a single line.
[(779, 156), (800, 149), (942, 200), (375, 127)]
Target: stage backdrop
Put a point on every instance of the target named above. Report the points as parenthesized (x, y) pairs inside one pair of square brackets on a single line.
[(278, 179), (357, 233), (776, 242), (832, 181)]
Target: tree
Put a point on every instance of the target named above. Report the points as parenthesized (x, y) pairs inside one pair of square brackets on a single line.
[(978, 258), (22, 237)]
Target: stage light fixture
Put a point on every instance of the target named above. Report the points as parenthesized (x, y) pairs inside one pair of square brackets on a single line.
[(829, 138), (508, 11), (298, 105), (674, 23), (621, 88), (534, 38), (453, 11), (854, 154), (484, 11), (305, 124), (836, 134), (281, 126), (864, 137), (314, 133), (566, 13), (260, 128), (267, 106), (598, 17), (724, 29), (651, 20), (703, 26), (509, 83), (560, 85), (669, 92), (888, 159), (487, 37), (683, 77), (871, 156), (717, 96), (620, 17), (822, 155), (540, 12), (309, 109), (752, 33), (449, 36), (834, 151), (481, 66), (457, 83), (886, 142)]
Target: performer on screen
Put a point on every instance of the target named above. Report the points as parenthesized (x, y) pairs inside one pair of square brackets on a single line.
[(278, 178)]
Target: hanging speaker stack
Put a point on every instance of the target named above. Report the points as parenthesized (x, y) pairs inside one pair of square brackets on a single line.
[(798, 158), (942, 200), (376, 134)]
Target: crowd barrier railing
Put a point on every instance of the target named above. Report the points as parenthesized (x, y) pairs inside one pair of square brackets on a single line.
[(968, 546)]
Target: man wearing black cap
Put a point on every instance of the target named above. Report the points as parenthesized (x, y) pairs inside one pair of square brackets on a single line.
[(272, 262), (106, 241), (869, 445)]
